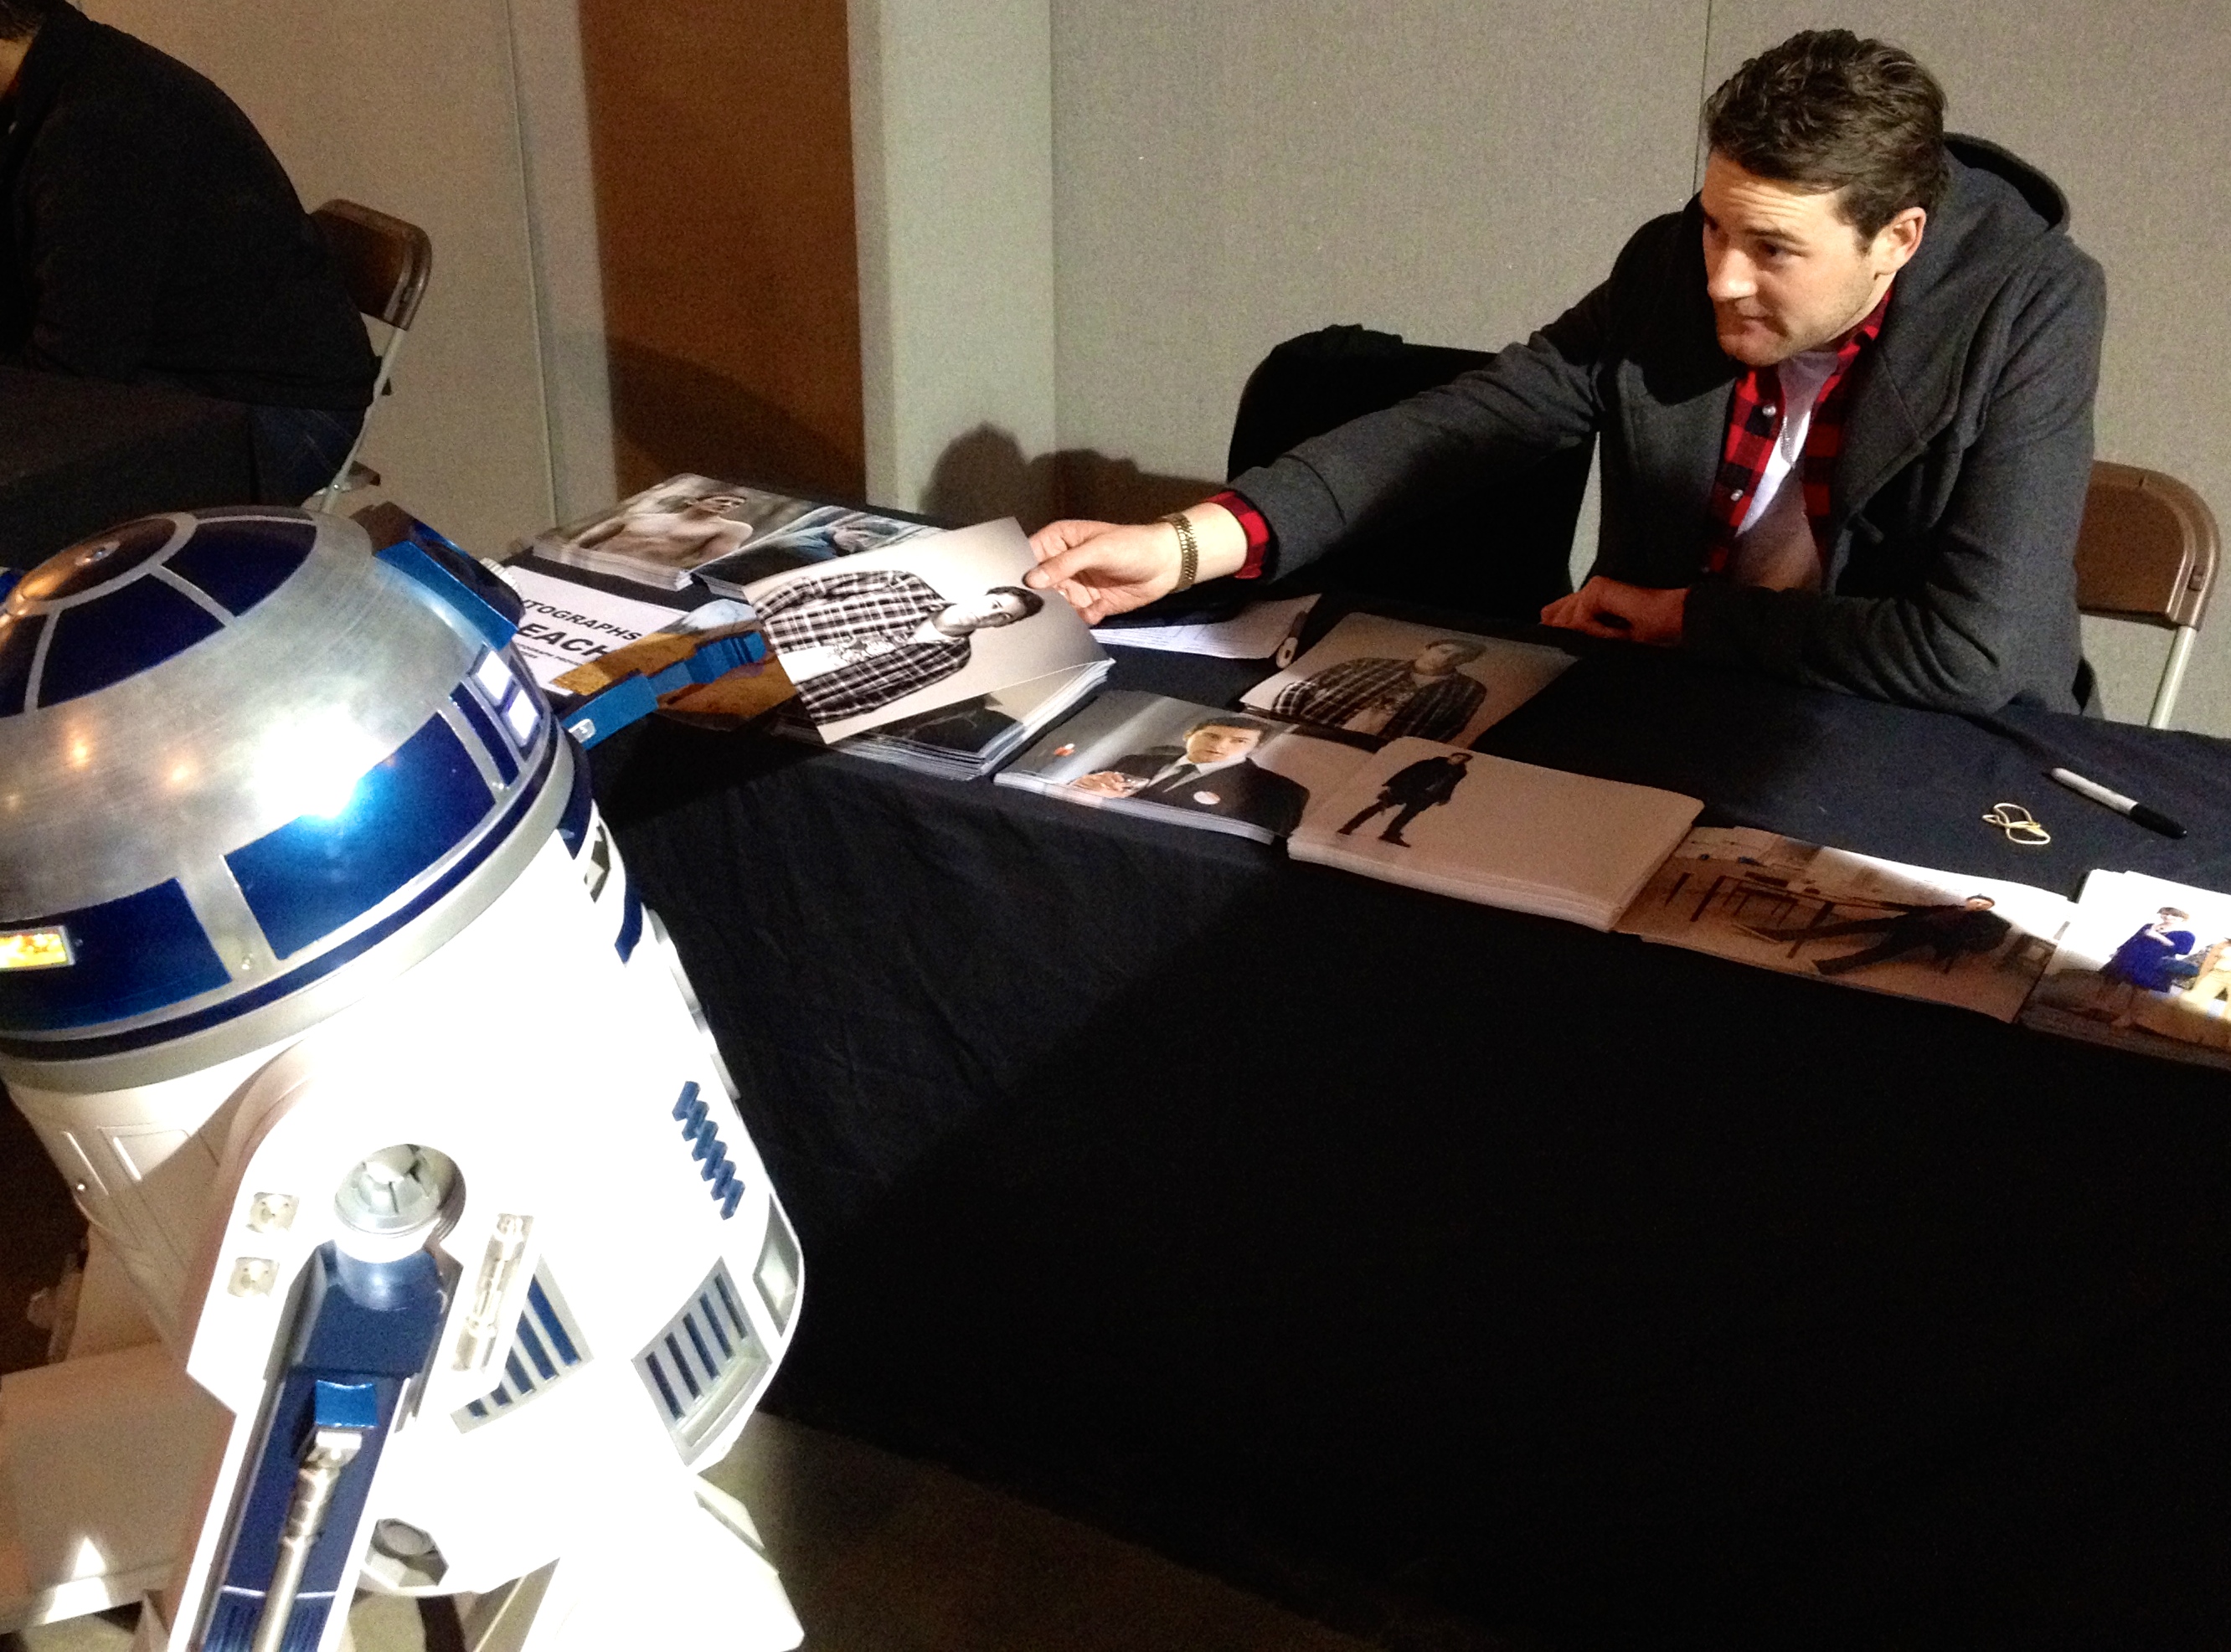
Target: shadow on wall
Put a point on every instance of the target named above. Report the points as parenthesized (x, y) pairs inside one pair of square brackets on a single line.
[(983, 475), (671, 415)]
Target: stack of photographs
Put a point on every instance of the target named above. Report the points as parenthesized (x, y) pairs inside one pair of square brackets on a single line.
[(970, 739), (2145, 964), (1186, 763), (724, 533), (1456, 822), (1829, 914)]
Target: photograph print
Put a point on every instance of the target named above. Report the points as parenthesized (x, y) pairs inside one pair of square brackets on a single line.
[(1799, 909), (2146, 964), (663, 534), (870, 639), (1387, 680), (1192, 764)]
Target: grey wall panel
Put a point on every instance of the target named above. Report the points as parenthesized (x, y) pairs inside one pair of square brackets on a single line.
[(408, 106), (2125, 106), (1235, 171)]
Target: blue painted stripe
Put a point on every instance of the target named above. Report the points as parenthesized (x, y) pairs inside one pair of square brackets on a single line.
[(630, 924), (697, 1341), (681, 1366), (721, 1284), (712, 1323), (318, 873), (133, 955), (316, 969), (532, 1344), (547, 1311), (573, 824), (498, 748), (521, 1382), (665, 1388)]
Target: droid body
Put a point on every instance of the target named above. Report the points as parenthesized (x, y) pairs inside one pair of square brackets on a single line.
[(431, 1254)]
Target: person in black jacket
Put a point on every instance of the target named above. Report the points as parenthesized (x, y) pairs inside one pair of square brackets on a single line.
[(150, 236), (1411, 791), (1843, 400)]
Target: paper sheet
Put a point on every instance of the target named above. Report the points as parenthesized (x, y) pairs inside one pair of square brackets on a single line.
[(1254, 634)]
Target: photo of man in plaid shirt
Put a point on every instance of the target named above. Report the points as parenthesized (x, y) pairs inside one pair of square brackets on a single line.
[(1429, 697), (854, 642)]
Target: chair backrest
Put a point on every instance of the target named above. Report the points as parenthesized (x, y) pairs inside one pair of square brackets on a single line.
[(1501, 551), (384, 261), (2148, 549)]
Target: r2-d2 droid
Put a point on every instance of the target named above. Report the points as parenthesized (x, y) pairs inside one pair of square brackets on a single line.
[(429, 1254)]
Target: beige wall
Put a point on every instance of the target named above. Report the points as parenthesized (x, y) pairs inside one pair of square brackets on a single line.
[(1229, 172), (408, 106)]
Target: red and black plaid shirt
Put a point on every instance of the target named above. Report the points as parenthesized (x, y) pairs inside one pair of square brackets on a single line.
[(1754, 415)]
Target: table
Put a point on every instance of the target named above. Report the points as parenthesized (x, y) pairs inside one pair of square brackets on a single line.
[(1393, 1256), (80, 454)]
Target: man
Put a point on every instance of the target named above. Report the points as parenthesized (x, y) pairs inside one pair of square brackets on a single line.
[(1424, 785), (853, 642), (1944, 932), (1215, 773), (676, 534), (1429, 697), (1843, 399), (152, 237)]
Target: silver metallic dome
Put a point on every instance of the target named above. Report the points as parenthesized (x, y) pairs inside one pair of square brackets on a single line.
[(248, 767)]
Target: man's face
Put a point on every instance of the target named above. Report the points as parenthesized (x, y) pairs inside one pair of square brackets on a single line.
[(1980, 903), (1439, 659), (1217, 744), (714, 505), (993, 608), (1784, 270)]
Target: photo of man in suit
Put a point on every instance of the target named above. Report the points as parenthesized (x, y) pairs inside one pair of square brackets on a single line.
[(853, 642), (1422, 785), (1429, 696), (1213, 773)]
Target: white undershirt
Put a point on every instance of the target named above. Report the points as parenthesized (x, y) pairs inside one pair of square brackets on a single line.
[(1774, 544)]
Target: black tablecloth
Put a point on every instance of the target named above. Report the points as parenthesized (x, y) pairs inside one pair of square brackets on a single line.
[(1367, 1245), (79, 454)]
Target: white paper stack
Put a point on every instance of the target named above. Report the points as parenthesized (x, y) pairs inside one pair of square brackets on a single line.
[(1504, 833)]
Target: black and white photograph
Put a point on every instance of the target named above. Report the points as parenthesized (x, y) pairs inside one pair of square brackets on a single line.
[(871, 639), (822, 534), (2145, 964), (664, 534), (1386, 679), (1193, 764), (1779, 904), (1485, 829)]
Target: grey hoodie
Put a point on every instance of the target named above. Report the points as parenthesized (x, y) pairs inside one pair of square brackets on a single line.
[(1954, 506)]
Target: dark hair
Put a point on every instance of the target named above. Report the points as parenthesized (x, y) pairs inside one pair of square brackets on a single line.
[(1032, 600), (1469, 649), (1242, 725), (1833, 112), (20, 19)]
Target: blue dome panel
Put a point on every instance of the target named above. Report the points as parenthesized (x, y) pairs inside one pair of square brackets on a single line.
[(19, 640), (118, 635), (318, 873), (133, 955), (240, 562)]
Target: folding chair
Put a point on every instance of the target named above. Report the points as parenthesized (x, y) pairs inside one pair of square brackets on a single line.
[(2147, 553), (385, 263)]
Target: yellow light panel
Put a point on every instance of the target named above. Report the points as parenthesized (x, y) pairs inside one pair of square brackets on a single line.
[(34, 949)]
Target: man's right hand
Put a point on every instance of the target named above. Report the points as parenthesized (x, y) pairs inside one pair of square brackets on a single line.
[(1106, 568)]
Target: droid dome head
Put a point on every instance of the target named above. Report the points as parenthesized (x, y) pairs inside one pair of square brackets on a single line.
[(248, 767)]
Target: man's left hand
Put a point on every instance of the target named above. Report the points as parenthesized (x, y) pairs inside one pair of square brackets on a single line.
[(1611, 608)]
